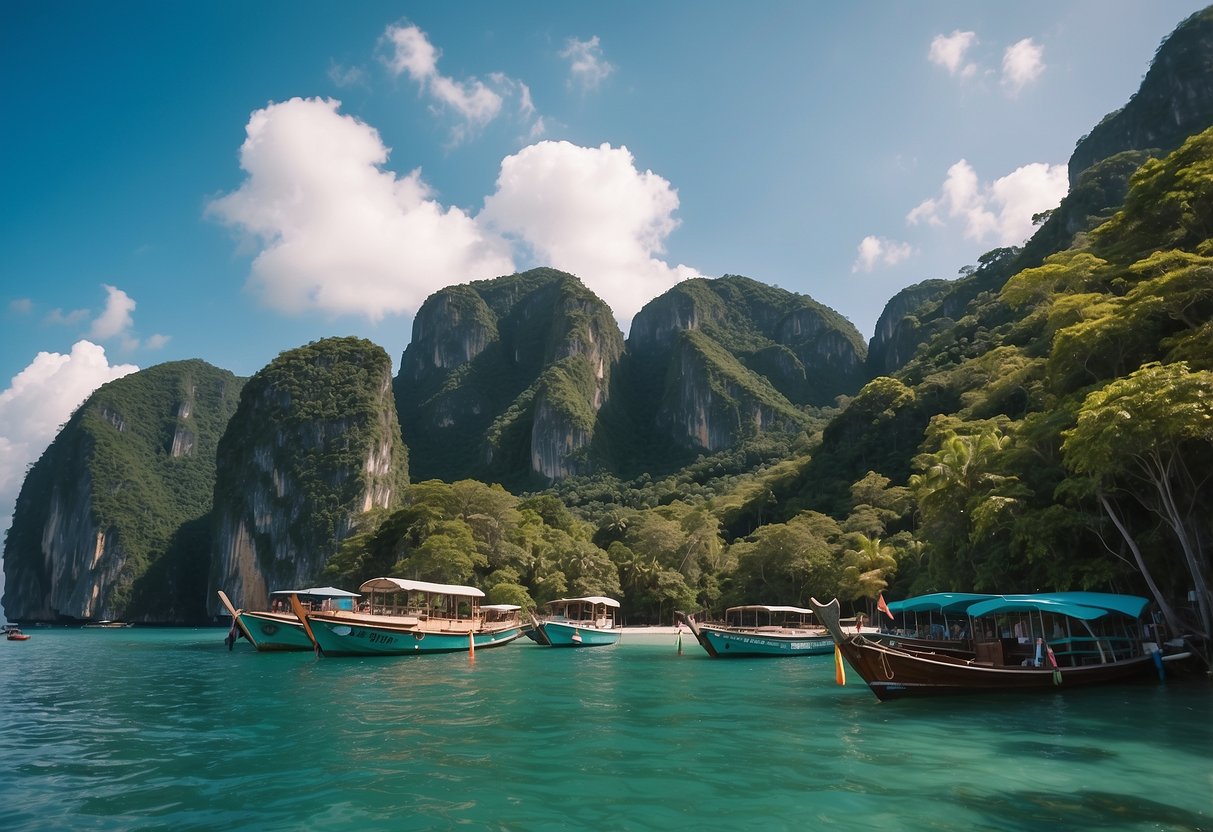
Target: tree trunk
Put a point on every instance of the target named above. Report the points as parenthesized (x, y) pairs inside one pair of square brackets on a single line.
[(1173, 623)]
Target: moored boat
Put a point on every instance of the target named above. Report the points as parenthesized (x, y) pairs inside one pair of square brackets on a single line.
[(938, 621), (13, 633), (761, 630), (1045, 642), (404, 617), (577, 622), (278, 628)]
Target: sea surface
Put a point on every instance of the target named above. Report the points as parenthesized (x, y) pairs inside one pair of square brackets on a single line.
[(165, 729)]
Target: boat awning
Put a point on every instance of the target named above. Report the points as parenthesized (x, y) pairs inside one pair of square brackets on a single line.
[(767, 608), (1043, 604), (318, 592), (1130, 605), (501, 607), (938, 602), (402, 585), (589, 599)]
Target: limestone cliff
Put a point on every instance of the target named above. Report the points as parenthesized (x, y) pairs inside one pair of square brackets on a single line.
[(713, 361), (504, 378), (1175, 100), (106, 524), (314, 444)]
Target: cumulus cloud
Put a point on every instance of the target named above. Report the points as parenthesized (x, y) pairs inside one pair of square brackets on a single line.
[(1000, 211), (38, 400), (878, 251), (587, 67), (116, 318), (157, 341), (337, 233), (474, 102), (949, 51), (1022, 63), (590, 212), (346, 76)]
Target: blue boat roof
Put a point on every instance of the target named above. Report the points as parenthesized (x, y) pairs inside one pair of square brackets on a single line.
[(938, 602), (1082, 605)]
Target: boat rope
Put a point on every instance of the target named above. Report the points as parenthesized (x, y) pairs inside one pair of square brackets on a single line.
[(884, 663)]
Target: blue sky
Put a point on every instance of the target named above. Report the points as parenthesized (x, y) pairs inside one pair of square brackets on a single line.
[(227, 180)]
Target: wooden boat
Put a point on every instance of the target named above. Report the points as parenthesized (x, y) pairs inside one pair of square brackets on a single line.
[(761, 630), (1047, 642), (403, 617), (13, 633), (577, 622), (278, 628)]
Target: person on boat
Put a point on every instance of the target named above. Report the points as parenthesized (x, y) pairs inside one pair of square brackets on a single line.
[(956, 636)]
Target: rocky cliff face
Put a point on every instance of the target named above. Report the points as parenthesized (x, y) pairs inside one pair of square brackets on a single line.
[(898, 330), (97, 531), (1175, 100), (504, 378), (714, 361), (314, 444)]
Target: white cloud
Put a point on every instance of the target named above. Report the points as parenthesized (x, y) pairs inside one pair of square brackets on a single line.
[(157, 341), (1001, 211), (874, 251), (475, 102), (38, 400), (346, 76), (949, 51), (337, 233), (61, 318), (116, 318), (590, 212), (587, 67), (1022, 63), (20, 306)]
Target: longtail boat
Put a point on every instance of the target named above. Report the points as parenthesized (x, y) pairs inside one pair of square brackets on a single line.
[(761, 630), (404, 617), (1048, 642), (938, 622), (576, 622), (278, 628)]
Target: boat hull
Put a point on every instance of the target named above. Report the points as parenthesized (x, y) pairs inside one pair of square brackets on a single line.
[(893, 673), (721, 643), (353, 637), (274, 632), (560, 634)]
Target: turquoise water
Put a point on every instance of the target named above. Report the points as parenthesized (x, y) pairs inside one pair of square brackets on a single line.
[(147, 729)]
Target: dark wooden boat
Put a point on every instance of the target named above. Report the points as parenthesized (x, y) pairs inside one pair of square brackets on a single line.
[(1068, 640)]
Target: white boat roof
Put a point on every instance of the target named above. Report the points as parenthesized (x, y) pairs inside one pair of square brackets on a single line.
[(319, 592), (500, 607), (591, 599), (403, 585), (766, 608)]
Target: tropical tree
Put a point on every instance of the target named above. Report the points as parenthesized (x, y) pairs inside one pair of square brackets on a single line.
[(1148, 438)]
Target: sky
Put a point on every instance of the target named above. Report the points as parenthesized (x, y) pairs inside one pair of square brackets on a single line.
[(227, 181)]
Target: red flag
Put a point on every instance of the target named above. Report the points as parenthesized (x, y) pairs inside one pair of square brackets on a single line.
[(881, 606)]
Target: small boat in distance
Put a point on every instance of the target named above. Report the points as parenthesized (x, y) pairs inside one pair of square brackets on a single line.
[(761, 630), (278, 628), (13, 633), (404, 617), (1054, 641), (577, 622), (106, 624)]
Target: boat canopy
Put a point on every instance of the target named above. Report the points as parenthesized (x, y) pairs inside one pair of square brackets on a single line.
[(501, 607), (318, 592), (1087, 611), (938, 602), (766, 608), (589, 599), (1130, 605), (402, 585)]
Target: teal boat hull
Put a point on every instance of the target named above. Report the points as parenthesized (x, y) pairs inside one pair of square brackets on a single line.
[(274, 632), (560, 634), (727, 644), (359, 638)]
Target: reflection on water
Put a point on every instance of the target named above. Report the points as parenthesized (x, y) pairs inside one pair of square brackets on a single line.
[(159, 729)]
